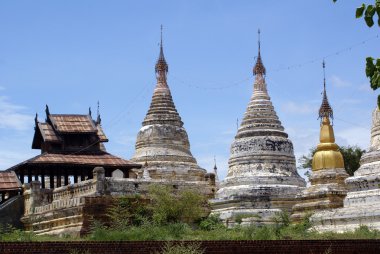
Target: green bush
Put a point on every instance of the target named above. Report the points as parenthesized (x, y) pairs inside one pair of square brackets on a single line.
[(212, 222), (190, 248), (128, 210), (169, 206)]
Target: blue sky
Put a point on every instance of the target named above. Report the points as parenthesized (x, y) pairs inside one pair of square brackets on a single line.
[(70, 54)]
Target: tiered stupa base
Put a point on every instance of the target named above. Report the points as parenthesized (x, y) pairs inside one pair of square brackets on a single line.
[(254, 204), (362, 204), (326, 192)]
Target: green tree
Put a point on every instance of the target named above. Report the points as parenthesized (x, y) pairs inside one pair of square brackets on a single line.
[(351, 157), (369, 12)]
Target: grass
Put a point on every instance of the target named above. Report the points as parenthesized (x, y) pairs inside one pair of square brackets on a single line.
[(167, 217), (182, 231), (170, 248)]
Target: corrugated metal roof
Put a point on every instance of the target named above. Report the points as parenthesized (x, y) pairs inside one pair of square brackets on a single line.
[(104, 159), (73, 123), (9, 181), (48, 133), (101, 135)]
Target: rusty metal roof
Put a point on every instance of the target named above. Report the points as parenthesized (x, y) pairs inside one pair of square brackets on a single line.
[(100, 133), (9, 181), (96, 159), (48, 133), (73, 123)]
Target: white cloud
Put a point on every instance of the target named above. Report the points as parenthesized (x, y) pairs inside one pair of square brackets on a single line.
[(338, 82), (365, 88), (294, 108), (11, 116), (353, 136)]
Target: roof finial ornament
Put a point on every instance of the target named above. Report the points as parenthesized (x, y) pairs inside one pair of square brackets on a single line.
[(98, 119), (324, 75), (161, 65), (161, 37), (258, 32), (89, 111), (259, 68), (325, 111), (216, 171), (36, 119), (47, 110)]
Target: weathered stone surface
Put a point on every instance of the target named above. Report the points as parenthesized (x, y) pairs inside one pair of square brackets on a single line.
[(162, 143), (66, 210), (262, 177), (362, 203)]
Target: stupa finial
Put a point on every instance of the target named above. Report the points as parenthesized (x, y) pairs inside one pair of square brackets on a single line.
[(259, 68), (161, 65), (325, 110), (98, 119)]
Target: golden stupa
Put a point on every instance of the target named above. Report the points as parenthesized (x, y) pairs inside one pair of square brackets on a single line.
[(327, 188)]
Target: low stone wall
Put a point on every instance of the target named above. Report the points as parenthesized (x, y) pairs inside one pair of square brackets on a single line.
[(122, 186), (210, 247), (71, 209)]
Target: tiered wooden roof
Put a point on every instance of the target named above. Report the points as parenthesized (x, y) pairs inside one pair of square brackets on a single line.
[(71, 141), (9, 181), (57, 126), (102, 159)]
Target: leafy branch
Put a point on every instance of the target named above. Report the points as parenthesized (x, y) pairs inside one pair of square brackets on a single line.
[(372, 70)]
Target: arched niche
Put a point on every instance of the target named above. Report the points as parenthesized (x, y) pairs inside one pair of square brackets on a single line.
[(117, 173)]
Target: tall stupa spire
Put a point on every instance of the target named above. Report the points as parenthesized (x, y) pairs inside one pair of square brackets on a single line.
[(259, 71), (161, 67), (325, 110), (162, 142), (262, 178), (259, 68)]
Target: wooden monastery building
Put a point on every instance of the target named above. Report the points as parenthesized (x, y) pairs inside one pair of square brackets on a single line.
[(71, 146)]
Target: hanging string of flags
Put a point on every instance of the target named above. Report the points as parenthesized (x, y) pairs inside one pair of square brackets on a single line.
[(336, 53), (115, 119), (233, 84), (120, 115), (289, 67)]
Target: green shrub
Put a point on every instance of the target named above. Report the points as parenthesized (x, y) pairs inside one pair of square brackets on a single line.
[(212, 222), (128, 210), (190, 248), (169, 206)]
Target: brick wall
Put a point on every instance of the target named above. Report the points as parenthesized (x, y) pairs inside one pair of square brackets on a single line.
[(95, 208), (211, 247)]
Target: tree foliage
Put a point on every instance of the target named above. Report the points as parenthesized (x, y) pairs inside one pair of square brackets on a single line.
[(351, 158), (372, 70), (168, 206), (128, 210), (162, 205)]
